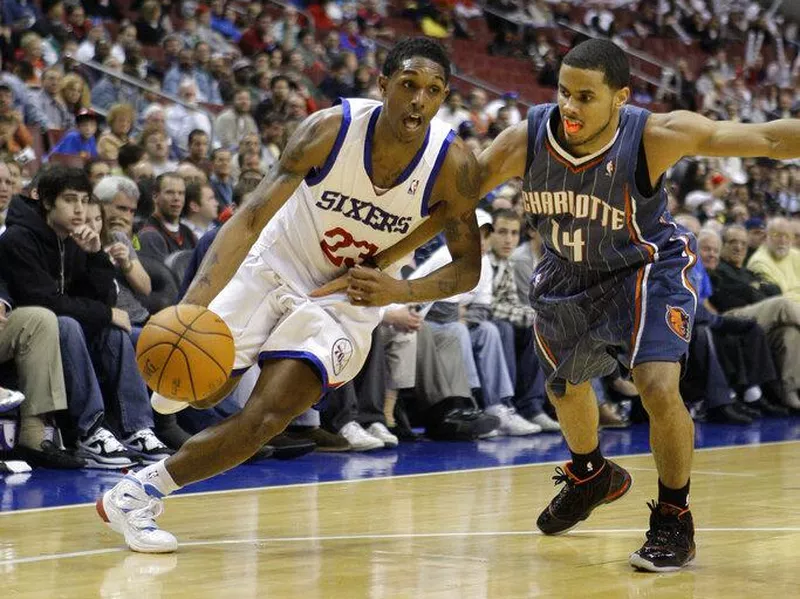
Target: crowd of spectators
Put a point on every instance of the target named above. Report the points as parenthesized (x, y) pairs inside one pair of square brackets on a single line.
[(152, 178)]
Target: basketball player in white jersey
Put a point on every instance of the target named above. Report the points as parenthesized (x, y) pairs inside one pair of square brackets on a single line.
[(353, 180)]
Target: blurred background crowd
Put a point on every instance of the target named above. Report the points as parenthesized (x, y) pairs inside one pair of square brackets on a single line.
[(168, 112)]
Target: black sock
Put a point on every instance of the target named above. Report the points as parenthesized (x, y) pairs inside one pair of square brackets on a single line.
[(585, 465), (677, 497)]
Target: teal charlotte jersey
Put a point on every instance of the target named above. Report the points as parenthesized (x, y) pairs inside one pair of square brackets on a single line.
[(613, 284)]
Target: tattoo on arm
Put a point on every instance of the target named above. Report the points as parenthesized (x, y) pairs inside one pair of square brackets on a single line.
[(468, 180), (450, 285), (204, 282), (452, 230)]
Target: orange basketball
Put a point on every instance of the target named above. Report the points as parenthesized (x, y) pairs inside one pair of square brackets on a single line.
[(185, 353)]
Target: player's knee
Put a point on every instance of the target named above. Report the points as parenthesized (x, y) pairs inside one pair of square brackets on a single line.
[(659, 394)]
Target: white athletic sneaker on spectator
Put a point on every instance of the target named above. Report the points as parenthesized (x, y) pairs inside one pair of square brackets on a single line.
[(103, 450), (547, 424), (147, 446), (130, 508), (162, 405), (511, 423), (379, 431), (10, 399), (359, 439)]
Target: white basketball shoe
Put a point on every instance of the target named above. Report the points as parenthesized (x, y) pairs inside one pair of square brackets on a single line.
[(130, 508)]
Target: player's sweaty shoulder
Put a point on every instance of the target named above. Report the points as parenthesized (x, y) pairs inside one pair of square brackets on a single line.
[(667, 136), (313, 139), (460, 173)]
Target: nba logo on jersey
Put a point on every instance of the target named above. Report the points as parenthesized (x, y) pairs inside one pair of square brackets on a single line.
[(609, 168), (341, 353), (412, 189)]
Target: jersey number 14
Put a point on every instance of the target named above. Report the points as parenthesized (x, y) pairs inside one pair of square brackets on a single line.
[(569, 241)]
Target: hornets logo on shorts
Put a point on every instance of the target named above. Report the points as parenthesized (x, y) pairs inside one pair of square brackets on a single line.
[(678, 320)]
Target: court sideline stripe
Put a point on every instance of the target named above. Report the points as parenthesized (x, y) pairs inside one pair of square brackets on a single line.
[(393, 476), (376, 537)]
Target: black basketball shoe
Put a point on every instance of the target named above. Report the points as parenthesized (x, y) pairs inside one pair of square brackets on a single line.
[(670, 540), (578, 498)]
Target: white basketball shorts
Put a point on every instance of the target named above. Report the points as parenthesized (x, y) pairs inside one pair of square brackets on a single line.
[(270, 318)]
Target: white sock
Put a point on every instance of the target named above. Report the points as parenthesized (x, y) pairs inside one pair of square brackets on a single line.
[(752, 394), (158, 476)]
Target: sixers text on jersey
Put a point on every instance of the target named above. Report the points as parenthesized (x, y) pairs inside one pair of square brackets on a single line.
[(364, 212)]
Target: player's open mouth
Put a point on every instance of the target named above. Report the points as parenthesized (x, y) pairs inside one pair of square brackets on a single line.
[(412, 122), (572, 127)]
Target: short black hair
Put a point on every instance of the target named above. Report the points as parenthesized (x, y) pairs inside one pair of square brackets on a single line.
[(601, 55), (507, 214), (277, 78), (416, 46), (194, 193), (243, 187), (87, 166), (216, 151), (130, 154), (56, 179), (164, 176), (195, 133)]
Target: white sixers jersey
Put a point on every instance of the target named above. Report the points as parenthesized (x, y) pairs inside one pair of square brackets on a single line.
[(336, 218)]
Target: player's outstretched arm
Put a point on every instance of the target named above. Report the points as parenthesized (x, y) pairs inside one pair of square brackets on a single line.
[(505, 158), (307, 148), (670, 136)]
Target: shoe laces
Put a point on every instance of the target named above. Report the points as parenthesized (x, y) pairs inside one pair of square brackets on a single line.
[(143, 518), (108, 441), (567, 499), (665, 529)]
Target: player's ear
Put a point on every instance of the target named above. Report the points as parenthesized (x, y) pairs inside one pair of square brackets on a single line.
[(621, 97), (383, 82)]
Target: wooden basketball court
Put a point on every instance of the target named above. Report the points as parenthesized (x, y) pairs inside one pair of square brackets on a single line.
[(468, 534)]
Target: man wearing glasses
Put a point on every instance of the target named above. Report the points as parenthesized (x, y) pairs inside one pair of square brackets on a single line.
[(759, 294)]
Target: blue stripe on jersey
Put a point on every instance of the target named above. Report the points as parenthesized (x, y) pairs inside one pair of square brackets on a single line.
[(316, 175), (437, 166), (373, 120)]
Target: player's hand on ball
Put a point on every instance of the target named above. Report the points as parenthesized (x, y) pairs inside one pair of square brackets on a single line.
[(86, 239), (371, 287)]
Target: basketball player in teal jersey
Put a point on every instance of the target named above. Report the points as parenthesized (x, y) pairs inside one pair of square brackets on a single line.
[(612, 285)]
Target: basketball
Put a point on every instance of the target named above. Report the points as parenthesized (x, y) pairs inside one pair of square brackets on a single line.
[(185, 353)]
